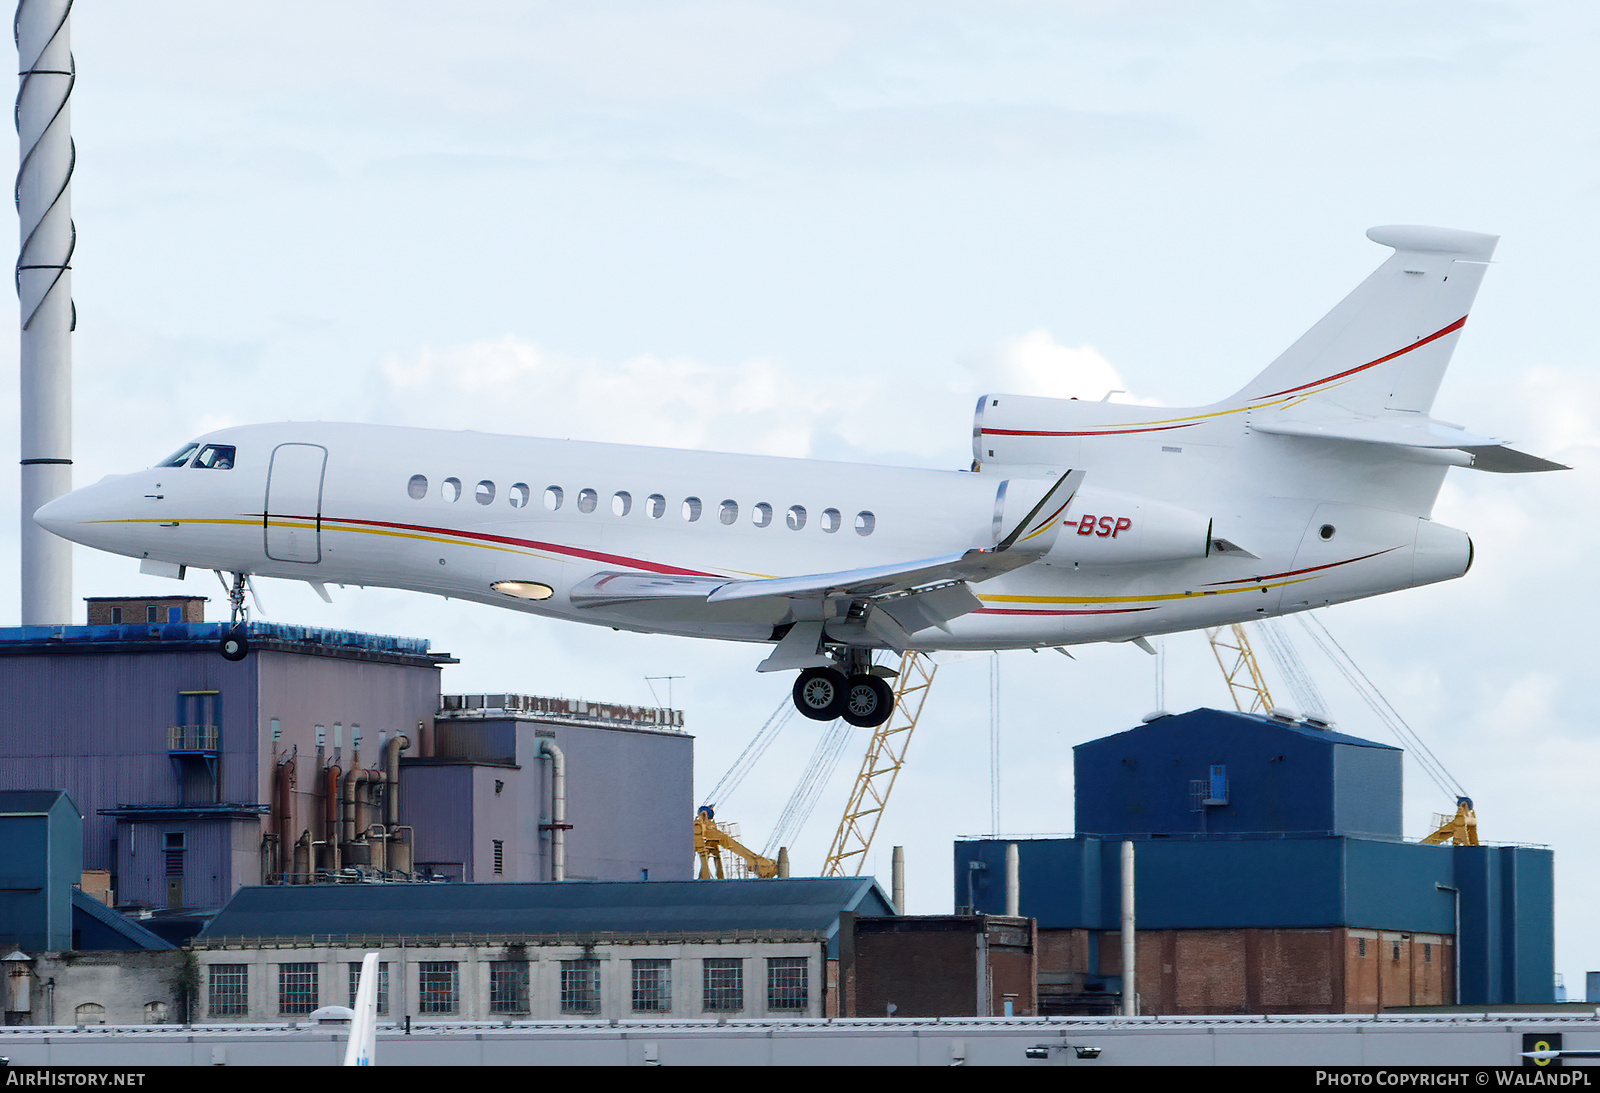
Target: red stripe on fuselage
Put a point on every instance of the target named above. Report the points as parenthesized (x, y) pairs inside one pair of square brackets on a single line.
[(534, 544)]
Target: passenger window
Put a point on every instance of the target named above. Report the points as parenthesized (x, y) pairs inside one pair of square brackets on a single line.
[(451, 489), (417, 487), (691, 509), (761, 515), (656, 506), (865, 522), (518, 495), (485, 492), (552, 497), (797, 517), (729, 512), (831, 520), (216, 457), (621, 503), (180, 457), (587, 499)]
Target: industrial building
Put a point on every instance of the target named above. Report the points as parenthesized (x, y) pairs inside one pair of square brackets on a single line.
[(1271, 878), (323, 755), (575, 950)]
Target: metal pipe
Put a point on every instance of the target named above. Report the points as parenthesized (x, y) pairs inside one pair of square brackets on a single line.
[(391, 778), (1130, 999), (44, 292), (558, 808), (897, 879), (1013, 882)]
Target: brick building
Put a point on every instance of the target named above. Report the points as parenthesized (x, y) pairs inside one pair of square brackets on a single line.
[(1271, 877)]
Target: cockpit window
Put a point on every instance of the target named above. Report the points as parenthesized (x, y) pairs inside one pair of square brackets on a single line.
[(180, 457), (216, 457)]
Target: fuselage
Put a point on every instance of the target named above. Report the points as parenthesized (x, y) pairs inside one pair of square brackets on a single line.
[(458, 513)]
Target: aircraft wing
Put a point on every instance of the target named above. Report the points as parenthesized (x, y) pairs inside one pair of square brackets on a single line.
[(911, 595)]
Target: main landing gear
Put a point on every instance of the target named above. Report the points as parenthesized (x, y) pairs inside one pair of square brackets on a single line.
[(862, 698), (235, 645)]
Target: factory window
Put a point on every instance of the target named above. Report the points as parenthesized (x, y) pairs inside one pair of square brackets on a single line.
[(586, 500), (174, 614), (215, 457), (1427, 953), (788, 983), (723, 984), (797, 517), (322, 736), (485, 492), (229, 990), (1361, 946), (277, 729), (438, 986), (656, 506), (383, 984), (552, 497), (116, 616), (691, 509), (728, 512), (831, 520), (297, 988), (508, 986), (417, 487), (499, 854), (865, 522), (152, 613), (89, 1013), (180, 457), (652, 986), (580, 986), (155, 1013), (518, 495), (621, 503), (451, 489), (1396, 950), (761, 515)]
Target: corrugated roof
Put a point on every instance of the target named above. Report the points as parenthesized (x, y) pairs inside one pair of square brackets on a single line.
[(120, 924), (1203, 714), (31, 802), (569, 907)]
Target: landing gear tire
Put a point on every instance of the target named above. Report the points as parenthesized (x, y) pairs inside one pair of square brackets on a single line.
[(819, 693), (868, 701), (234, 645)]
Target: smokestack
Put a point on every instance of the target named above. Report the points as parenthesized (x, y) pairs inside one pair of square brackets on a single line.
[(44, 291)]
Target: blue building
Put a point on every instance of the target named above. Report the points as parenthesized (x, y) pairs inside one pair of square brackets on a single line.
[(1271, 877)]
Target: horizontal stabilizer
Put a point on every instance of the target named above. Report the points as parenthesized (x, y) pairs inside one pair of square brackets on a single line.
[(1411, 431), (1503, 460)]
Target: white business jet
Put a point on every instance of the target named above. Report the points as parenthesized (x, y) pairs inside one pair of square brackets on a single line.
[(1078, 521)]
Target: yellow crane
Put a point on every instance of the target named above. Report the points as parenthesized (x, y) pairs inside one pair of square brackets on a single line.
[(711, 838), (886, 754)]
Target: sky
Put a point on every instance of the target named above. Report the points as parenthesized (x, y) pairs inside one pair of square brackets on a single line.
[(823, 229)]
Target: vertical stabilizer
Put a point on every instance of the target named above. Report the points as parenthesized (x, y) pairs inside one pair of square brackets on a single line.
[(363, 1044), (1387, 344)]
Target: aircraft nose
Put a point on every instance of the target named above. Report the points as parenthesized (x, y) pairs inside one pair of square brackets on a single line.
[(75, 515)]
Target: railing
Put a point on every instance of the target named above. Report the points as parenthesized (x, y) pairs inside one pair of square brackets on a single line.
[(201, 738)]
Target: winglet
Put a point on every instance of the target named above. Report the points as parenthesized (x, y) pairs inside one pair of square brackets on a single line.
[(1036, 532)]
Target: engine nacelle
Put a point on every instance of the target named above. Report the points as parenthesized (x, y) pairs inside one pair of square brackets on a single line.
[(1108, 527)]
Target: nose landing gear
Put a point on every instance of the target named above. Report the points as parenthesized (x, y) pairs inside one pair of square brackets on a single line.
[(235, 644), (862, 698)]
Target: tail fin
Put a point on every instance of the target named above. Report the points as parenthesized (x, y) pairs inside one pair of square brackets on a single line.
[(1387, 344), (362, 1047)]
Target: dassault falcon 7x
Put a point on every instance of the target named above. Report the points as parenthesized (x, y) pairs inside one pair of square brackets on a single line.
[(1077, 522)]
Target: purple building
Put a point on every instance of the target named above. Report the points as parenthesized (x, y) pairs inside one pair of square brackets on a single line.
[(197, 776)]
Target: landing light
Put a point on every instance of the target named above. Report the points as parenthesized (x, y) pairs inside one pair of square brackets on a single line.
[(524, 590)]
